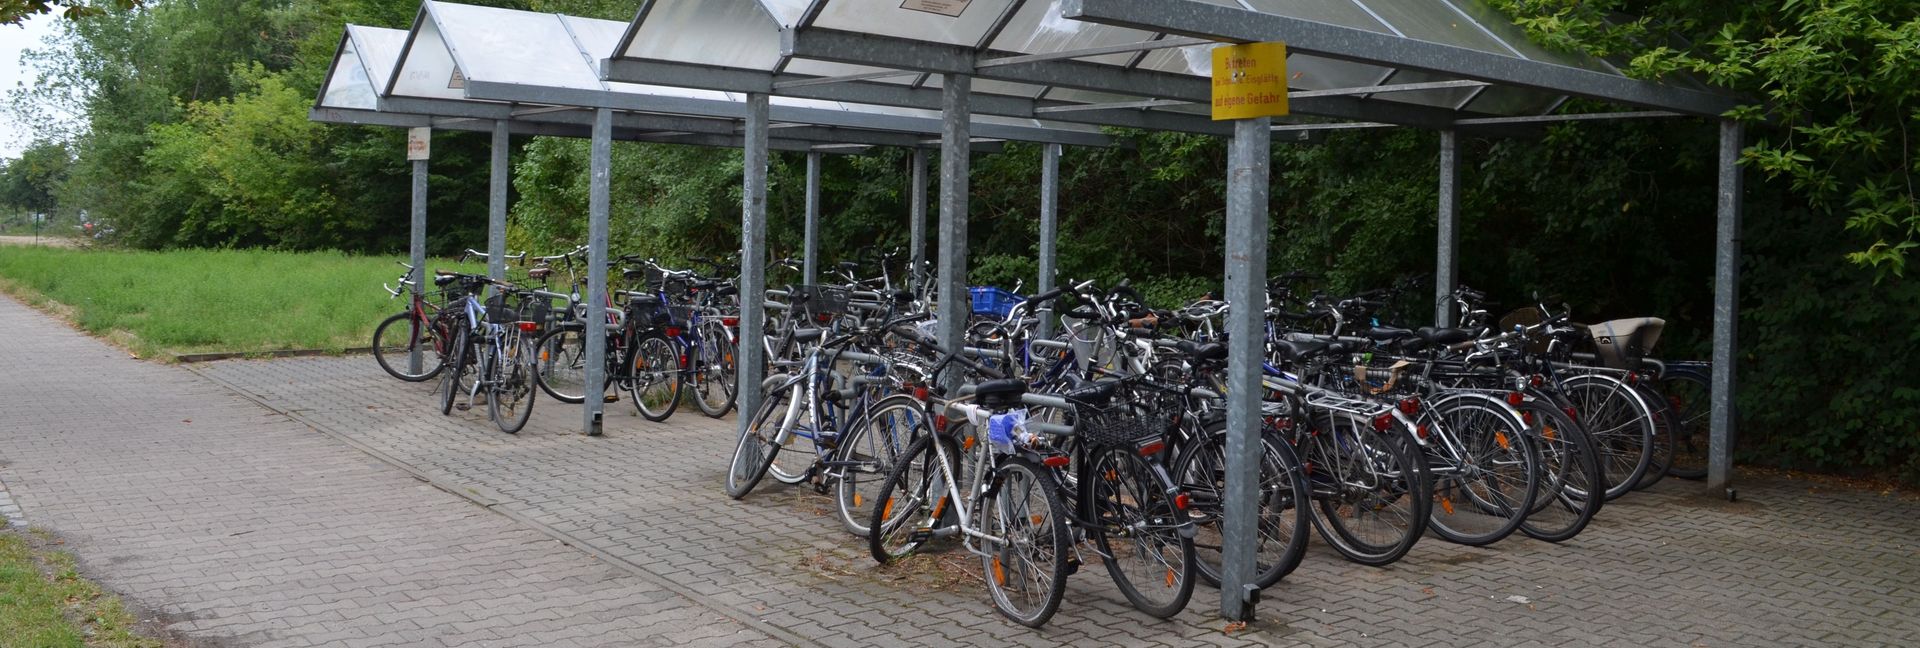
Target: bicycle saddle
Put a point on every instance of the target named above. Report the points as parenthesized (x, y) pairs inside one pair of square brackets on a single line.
[(540, 273), (1094, 395), (1387, 333), (808, 334), (1202, 352), (640, 299), (1003, 393), (1444, 336)]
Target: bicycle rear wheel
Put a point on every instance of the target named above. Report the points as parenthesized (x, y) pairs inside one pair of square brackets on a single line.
[(1138, 529), (713, 377), (911, 502), (1569, 487), (1664, 422), (394, 341), (560, 364), (1283, 519), (1689, 394), (1026, 569), (1484, 466), (1620, 425), (1372, 491), (510, 404)]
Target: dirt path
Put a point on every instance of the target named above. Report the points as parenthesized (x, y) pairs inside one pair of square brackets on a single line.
[(49, 241)]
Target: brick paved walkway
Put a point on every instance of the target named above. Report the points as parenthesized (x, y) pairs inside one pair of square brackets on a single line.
[(1784, 567), (1790, 565), (238, 526)]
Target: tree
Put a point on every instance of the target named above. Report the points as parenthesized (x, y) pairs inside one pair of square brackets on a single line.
[(13, 12), (33, 180)]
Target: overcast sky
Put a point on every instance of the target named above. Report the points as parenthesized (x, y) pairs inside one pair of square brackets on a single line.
[(13, 73)]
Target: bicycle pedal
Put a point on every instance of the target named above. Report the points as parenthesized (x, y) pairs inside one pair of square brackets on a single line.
[(462, 406), (920, 535), (1073, 566), (612, 398)]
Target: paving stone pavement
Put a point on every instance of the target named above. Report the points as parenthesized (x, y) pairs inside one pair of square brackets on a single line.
[(237, 525), (1791, 564)]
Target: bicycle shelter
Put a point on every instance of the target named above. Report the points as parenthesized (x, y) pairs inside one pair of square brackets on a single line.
[(1446, 65), (479, 68)]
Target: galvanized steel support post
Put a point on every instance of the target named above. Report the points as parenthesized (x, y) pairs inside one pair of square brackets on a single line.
[(955, 140), (917, 213), (810, 269), (1726, 311), (1249, 159), (417, 249), (1049, 227), (1446, 268), (751, 358), (497, 203), (598, 203)]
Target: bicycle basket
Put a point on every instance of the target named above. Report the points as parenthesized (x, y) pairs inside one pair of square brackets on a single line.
[(821, 303), (1120, 426), (499, 312)]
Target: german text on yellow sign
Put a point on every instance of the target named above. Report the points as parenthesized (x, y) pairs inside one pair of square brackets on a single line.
[(1250, 81)]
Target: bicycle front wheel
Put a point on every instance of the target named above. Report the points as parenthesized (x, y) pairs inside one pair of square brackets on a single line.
[(867, 454), (1689, 394), (396, 339), (1025, 554), (450, 380), (1484, 467), (757, 445), (656, 378)]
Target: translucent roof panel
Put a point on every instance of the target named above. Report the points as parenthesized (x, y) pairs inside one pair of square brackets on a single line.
[(508, 46), (1449, 98), (348, 85), (603, 36), (379, 50), (1434, 21), (1333, 12), (954, 22), (1507, 100), (428, 71), (991, 86), (1039, 28), (725, 33)]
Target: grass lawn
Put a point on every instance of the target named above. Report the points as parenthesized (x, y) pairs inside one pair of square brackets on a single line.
[(198, 301), (45, 603)]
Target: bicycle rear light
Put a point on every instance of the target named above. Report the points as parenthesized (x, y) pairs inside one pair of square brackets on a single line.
[(1516, 398), (1152, 448), (1410, 406), (1057, 461), (1420, 430), (529, 327), (673, 331), (1382, 422), (1181, 501), (729, 322)]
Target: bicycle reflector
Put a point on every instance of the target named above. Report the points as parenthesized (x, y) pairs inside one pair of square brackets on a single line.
[(1057, 461), (1527, 418), (1152, 448), (1515, 398), (730, 322), (1410, 406), (529, 327), (1382, 422), (1536, 380), (920, 392), (673, 331), (1181, 501), (940, 423), (1420, 430), (1570, 415)]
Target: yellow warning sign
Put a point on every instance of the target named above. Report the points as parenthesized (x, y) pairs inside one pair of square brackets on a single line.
[(1250, 81)]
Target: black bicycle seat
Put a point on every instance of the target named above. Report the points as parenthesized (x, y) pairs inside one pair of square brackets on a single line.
[(1202, 352), (1003, 393), (1444, 336), (1094, 395)]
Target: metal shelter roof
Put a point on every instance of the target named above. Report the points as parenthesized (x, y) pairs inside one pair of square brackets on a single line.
[(461, 61), (1137, 63)]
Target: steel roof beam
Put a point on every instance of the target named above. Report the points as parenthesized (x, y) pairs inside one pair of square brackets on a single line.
[(1201, 20)]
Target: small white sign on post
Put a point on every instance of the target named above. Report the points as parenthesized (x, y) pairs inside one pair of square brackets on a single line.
[(419, 142)]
